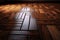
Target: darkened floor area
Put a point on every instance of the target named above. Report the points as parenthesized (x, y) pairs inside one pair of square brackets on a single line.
[(32, 21)]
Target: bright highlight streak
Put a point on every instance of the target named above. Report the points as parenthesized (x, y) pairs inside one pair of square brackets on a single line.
[(24, 15)]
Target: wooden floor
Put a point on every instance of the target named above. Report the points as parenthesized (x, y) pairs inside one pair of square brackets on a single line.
[(30, 21)]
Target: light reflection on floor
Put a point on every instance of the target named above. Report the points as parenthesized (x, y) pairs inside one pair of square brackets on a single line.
[(25, 22), (42, 12)]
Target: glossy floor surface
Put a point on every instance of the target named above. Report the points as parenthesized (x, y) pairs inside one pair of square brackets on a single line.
[(30, 21)]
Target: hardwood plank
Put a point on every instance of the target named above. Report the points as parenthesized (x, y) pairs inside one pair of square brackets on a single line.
[(17, 37), (54, 32), (33, 25), (19, 32), (25, 23)]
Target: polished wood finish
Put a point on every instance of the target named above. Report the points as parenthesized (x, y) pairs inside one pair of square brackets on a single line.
[(42, 23)]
